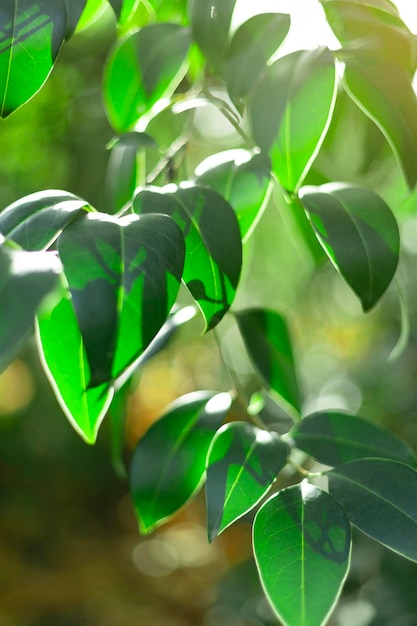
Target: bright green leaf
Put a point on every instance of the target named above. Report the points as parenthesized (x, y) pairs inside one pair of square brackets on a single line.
[(359, 233), (168, 463), (124, 9), (290, 112), (242, 463), (74, 11), (93, 10), (210, 22), (301, 540)]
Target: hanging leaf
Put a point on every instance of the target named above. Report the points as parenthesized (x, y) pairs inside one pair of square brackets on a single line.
[(301, 540), (31, 35), (35, 221), (251, 47), (242, 463), (290, 112), (210, 22), (334, 438), (74, 11), (268, 343), (139, 71), (379, 498), (168, 463), (243, 179), (213, 245), (359, 233)]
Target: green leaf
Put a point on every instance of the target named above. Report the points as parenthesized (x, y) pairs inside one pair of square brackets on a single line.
[(334, 438), (25, 279), (383, 90), (124, 9), (133, 140), (139, 71), (301, 540), (31, 35), (359, 233), (242, 463), (93, 10), (268, 343), (243, 179), (75, 9), (213, 245), (290, 112), (168, 463), (210, 22), (251, 47), (35, 221), (379, 497)]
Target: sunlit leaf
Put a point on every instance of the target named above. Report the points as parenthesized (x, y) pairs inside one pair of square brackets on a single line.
[(379, 498), (301, 540), (359, 233), (242, 463), (139, 71), (290, 112), (334, 438), (124, 9), (268, 343), (74, 11), (168, 463), (210, 22), (31, 35), (93, 10)]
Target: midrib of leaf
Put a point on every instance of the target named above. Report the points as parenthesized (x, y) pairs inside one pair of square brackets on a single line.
[(9, 65)]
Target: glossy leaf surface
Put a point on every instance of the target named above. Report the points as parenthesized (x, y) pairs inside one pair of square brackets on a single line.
[(210, 22), (31, 35), (301, 540), (168, 463), (242, 463), (334, 438), (379, 498), (359, 233), (290, 112), (213, 245), (139, 71), (268, 343)]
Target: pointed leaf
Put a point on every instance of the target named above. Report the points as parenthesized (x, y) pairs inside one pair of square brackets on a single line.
[(242, 463), (379, 497), (74, 12), (301, 540), (139, 71), (168, 463), (268, 343), (290, 112), (334, 438), (243, 179), (31, 35), (210, 22), (359, 234)]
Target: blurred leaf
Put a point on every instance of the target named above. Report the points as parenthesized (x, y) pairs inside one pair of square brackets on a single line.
[(379, 497), (251, 47), (359, 234), (93, 10), (290, 112), (243, 179), (74, 11), (213, 245), (334, 438), (268, 343), (301, 540), (242, 463), (133, 140), (124, 9), (168, 463), (35, 221), (117, 419), (31, 35), (210, 22), (139, 71)]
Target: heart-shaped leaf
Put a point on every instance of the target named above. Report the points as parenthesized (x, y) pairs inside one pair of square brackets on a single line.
[(210, 22), (359, 233), (301, 540), (168, 463), (242, 463)]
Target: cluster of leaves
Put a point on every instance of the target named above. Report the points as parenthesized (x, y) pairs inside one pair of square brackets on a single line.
[(112, 280)]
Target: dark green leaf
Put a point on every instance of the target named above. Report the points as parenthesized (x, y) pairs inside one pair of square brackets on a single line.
[(35, 221), (168, 463), (242, 463), (290, 112), (74, 11), (210, 21), (334, 438), (243, 179), (139, 71), (359, 234), (31, 35), (213, 244), (301, 540), (379, 497), (268, 343)]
